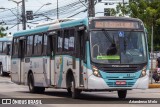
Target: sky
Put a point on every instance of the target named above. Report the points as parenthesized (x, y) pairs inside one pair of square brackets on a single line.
[(43, 12), (39, 7)]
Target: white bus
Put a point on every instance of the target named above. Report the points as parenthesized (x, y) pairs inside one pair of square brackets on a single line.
[(5, 55), (95, 54)]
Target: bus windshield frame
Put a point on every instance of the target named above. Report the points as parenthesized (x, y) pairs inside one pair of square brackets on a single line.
[(118, 41)]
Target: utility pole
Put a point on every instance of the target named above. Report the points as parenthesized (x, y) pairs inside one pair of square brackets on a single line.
[(91, 9), (123, 8), (152, 54), (57, 11), (18, 17), (23, 15)]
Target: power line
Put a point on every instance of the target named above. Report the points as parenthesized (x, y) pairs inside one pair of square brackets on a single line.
[(63, 10), (83, 3)]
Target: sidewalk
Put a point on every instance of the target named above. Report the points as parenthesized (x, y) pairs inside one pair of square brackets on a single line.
[(154, 84)]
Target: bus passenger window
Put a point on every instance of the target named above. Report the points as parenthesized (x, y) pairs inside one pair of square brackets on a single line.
[(29, 45), (66, 40), (44, 44), (15, 47), (37, 45), (71, 43), (59, 42)]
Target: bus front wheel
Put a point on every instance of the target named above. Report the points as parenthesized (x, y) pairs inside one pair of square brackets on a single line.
[(32, 88), (72, 89), (122, 93)]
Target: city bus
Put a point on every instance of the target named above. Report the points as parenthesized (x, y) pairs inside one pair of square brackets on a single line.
[(5, 55), (88, 54)]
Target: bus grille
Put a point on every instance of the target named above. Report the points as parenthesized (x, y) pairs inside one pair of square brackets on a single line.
[(123, 69), (113, 84)]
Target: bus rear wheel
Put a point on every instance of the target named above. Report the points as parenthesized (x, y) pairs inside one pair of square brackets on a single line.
[(2, 73), (32, 88), (122, 94)]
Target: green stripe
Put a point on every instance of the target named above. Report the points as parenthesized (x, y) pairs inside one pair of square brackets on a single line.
[(109, 57)]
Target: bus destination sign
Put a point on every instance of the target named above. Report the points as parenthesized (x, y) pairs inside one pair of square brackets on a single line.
[(117, 24)]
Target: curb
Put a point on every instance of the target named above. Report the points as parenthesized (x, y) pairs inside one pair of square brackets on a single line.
[(154, 85)]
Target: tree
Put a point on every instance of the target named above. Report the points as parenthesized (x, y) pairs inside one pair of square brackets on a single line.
[(2, 29), (149, 12)]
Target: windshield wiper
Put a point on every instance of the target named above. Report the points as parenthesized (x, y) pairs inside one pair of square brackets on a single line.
[(108, 36), (112, 50)]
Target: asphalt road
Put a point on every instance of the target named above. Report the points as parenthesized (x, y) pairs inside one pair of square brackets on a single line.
[(60, 97)]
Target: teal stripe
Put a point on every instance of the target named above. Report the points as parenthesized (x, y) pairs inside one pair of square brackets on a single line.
[(88, 56), (4, 39), (31, 31), (60, 75), (74, 23)]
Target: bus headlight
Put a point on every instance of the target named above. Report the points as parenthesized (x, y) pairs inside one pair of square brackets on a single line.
[(95, 71), (143, 73)]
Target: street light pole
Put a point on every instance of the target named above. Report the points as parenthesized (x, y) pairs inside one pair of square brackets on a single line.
[(17, 12), (17, 16), (42, 6), (57, 11)]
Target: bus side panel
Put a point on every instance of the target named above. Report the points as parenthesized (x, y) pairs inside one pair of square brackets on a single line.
[(52, 71), (5, 60), (9, 64), (2, 60), (77, 73), (22, 70), (27, 68), (62, 65), (15, 68), (58, 70), (68, 64), (47, 71), (85, 76), (40, 71)]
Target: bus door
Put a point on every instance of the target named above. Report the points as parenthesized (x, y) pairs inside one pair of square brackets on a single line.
[(52, 56), (81, 55), (8, 57), (21, 52)]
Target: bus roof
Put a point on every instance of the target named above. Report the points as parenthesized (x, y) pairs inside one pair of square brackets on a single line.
[(6, 39), (65, 24), (31, 31)]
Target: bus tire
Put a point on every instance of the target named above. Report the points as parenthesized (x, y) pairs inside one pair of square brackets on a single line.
[(75, 92), (122, 94), (31, 86), (1, 71), (40, 89)]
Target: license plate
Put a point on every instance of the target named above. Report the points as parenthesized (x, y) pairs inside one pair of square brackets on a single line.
[(120, 82)]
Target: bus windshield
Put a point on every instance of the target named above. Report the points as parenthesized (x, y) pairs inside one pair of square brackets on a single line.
[(118, 47)]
